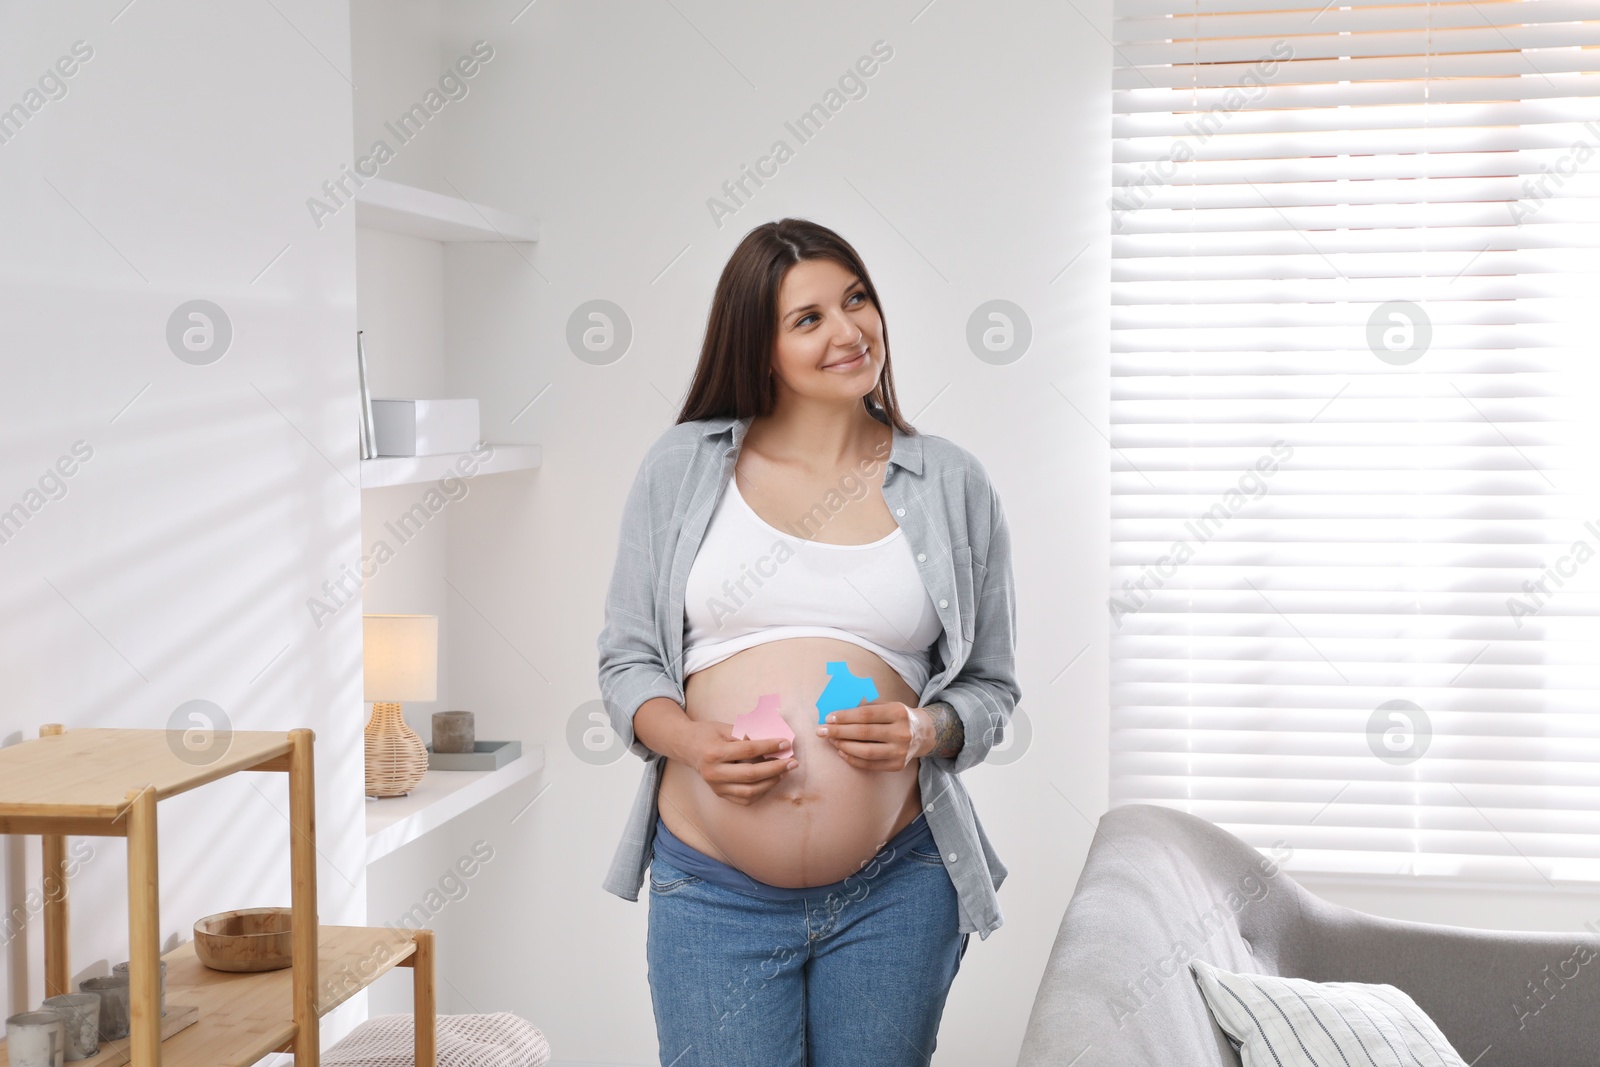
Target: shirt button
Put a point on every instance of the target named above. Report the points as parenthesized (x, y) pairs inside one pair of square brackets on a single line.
[(944, 603), (951, 857), (928, 808), (922, 557), (899, 511)]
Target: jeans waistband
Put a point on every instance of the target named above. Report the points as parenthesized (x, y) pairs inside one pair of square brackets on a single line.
[(672, 849)]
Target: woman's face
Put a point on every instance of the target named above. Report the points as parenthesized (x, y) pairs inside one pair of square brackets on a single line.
[(825, 320)]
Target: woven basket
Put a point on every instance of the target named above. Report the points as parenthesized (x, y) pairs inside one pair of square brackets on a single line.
[(498, 1040)]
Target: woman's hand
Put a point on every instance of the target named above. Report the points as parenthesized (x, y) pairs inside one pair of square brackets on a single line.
[(735, 770), (884, 736)]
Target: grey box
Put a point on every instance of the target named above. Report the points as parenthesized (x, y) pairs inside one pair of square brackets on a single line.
[(486, 756)]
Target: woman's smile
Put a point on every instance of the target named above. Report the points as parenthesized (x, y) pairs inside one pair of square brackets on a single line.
[(849, 364)]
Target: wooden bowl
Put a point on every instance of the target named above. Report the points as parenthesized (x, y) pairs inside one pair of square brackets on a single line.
[(250, 939)]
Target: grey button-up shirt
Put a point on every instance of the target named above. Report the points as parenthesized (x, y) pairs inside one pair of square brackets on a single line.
[(940, 495)]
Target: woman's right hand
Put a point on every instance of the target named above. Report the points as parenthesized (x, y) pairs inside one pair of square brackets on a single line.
[(735, 770)]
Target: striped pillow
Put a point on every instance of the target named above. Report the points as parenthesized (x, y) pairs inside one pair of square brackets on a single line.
[(1293, 1022)]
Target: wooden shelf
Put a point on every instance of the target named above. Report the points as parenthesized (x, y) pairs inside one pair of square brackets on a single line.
[(441, 795), (415, 470), (87, 773), (385, 205), (244, 1016), (108, 783)]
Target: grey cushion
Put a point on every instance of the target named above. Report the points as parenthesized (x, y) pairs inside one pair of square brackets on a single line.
[(1160, 886)]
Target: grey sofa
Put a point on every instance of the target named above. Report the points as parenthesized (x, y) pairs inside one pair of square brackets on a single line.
[(1160, 887)]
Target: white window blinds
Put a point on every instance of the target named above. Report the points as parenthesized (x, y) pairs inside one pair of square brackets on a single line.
[(1355, 525)]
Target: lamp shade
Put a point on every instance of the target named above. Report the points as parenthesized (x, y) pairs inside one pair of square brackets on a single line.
[(400, 657)]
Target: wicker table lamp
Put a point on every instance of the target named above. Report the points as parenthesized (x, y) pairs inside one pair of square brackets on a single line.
[(400, 659)]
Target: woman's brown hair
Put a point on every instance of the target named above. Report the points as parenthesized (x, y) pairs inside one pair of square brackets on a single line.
[(733, 376)]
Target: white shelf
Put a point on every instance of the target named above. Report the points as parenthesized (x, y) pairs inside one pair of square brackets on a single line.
[(385, 205), (414, 470), (438, 798)]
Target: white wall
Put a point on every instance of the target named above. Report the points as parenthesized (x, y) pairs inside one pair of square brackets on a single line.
[(978, 158), (177, 562)]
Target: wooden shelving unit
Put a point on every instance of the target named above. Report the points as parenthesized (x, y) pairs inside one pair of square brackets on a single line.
[(107, 783)]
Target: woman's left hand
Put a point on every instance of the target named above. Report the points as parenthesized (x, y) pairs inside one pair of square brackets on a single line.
[(884, 736)]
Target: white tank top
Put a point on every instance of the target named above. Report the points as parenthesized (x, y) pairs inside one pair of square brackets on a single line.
[(752, 583)]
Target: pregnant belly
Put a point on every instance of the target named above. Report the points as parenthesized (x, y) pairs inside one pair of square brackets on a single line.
[(821, 821)]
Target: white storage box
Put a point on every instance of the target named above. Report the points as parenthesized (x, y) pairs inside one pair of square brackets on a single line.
[(424, 427)]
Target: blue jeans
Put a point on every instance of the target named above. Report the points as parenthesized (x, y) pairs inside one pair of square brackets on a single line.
[(852, 978)]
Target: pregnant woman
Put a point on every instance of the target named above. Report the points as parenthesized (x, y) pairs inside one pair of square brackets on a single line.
[(809, 634)]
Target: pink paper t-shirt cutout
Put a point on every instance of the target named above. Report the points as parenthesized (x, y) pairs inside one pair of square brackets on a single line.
[(765, 722)]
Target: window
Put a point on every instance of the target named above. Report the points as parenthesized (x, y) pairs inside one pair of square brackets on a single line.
[(1355, 512)]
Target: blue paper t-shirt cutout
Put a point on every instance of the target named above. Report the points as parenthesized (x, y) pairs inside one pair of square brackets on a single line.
[(844, 690)]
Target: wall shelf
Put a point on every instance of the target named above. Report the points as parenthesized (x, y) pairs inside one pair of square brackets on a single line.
[(414, 470), (385, 205), (441, 795)]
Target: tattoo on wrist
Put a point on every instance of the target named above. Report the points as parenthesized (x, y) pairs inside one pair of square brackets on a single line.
[(949, 735)]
